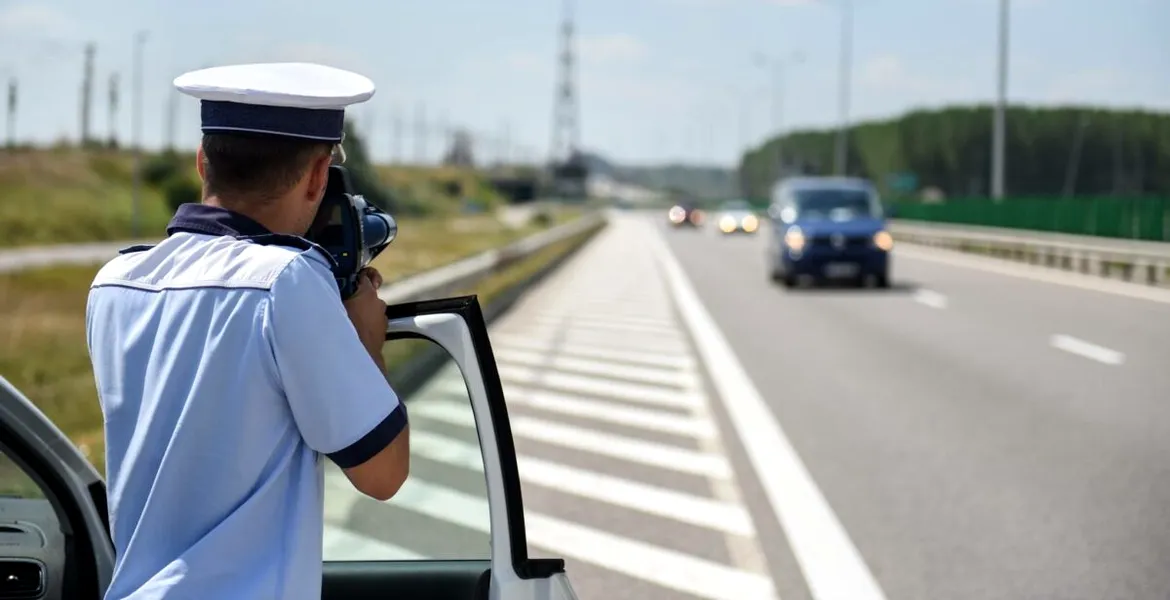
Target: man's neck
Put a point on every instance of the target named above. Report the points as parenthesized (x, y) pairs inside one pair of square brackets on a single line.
[(267, 215)]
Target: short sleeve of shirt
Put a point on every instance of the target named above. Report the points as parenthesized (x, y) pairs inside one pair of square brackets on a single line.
[(342, 404)]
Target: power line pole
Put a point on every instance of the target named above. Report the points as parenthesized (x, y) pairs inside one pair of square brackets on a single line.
[(87, 92), (1073, 170), (112, 124), (420, 134), (172, 118), (11, 126), (399, 155), (998, 133), (136, 127), (842, 150)]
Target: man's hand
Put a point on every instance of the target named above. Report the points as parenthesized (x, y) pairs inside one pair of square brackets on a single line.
[(367, 312)]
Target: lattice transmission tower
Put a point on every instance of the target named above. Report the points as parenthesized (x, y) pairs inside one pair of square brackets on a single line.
[(566, 134)]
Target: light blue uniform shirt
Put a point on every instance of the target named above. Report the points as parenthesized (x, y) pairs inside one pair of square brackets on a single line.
[(225, 369)]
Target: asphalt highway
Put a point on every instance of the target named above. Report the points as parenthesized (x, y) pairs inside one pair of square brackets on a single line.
[(979, 435), (967, 434)]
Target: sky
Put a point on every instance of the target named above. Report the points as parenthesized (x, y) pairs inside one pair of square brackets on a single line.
[(656, 80)]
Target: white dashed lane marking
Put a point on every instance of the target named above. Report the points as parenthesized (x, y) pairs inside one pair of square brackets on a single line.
[(1087, 350)]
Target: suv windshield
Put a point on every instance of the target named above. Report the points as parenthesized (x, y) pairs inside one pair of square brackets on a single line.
[(835, 204)]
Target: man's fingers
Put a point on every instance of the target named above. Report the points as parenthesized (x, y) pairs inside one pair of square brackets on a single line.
[(374, 276)]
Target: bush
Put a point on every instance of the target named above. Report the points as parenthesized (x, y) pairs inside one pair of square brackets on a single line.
[(160, 169), (180, 190), (544, 218)]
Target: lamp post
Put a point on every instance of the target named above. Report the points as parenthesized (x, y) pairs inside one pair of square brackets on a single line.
[(841, 154), (778, 66), (998, 126), (136, 130)]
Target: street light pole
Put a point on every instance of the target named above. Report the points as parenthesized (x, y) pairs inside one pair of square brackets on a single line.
[(136, 129), (842, 150), (778, 66), (998, 133)]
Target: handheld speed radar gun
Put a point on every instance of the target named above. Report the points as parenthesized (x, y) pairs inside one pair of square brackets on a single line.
[(350, 229)]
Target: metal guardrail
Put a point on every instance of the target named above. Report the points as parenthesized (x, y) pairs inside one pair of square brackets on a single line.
[(1129, 260), (449, 279), (429, 284)]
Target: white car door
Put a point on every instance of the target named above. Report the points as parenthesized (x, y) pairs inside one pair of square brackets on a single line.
[(455, 530)]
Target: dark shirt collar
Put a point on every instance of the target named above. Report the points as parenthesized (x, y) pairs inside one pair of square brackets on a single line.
[(214, 220)]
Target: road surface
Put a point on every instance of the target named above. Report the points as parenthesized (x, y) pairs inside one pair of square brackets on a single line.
[(966, 434)]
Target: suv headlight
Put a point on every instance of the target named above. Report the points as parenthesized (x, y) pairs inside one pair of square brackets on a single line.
[(794, 239), (883, 240)]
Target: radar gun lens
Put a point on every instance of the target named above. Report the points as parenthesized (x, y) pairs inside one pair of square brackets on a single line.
[(379, 229)]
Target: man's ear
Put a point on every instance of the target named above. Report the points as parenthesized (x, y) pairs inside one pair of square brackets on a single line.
[(199, 164), (318, 177)]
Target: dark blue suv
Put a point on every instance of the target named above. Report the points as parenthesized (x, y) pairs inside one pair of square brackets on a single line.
[(828, 228)]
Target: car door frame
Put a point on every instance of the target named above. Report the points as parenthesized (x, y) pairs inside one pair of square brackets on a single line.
[(458, 323), (71, 484)]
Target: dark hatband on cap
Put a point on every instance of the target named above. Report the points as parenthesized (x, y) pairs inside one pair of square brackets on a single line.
[(326, 125)]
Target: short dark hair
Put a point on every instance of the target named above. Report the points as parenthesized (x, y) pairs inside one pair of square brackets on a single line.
[(255, 167)]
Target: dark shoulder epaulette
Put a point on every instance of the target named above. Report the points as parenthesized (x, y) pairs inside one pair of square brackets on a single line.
[(292, 241)]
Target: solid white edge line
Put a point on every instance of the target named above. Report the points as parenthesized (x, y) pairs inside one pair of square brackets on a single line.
[(1088, 350), (832, 566)]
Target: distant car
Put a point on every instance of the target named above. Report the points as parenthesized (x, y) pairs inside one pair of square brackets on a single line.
[(685, 215), (828, 228), (737, 216)]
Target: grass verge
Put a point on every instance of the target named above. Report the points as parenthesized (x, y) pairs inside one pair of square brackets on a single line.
[(42, 334)]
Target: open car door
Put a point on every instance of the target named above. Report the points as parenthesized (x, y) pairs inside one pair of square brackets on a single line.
[(54, 539), (454, 531)]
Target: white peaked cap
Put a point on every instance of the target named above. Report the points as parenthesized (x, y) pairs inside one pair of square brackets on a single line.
[(301, 100)]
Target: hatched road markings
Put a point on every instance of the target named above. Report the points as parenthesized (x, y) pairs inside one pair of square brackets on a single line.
[(622, 464)]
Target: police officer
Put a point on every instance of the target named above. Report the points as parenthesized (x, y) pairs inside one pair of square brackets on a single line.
[(227, 364)]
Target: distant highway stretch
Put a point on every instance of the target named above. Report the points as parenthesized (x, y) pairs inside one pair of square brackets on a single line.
[(688, 429)]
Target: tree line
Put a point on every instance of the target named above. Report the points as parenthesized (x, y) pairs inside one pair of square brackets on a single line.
[(1050, 152)]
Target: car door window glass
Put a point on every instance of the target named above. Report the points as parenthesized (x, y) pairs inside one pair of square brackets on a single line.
[(441, 512), (15, 483)]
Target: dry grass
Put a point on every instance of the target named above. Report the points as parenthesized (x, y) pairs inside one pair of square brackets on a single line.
[(65, 195)]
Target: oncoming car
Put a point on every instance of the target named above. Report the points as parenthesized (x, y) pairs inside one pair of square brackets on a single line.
[(737, 216), (685, 215), (828, 228)]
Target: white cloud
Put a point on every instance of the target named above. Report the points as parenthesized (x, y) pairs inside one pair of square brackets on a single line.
[(1099, 86), (39, 19), (888, 73), (311, 52), (611, 48)]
